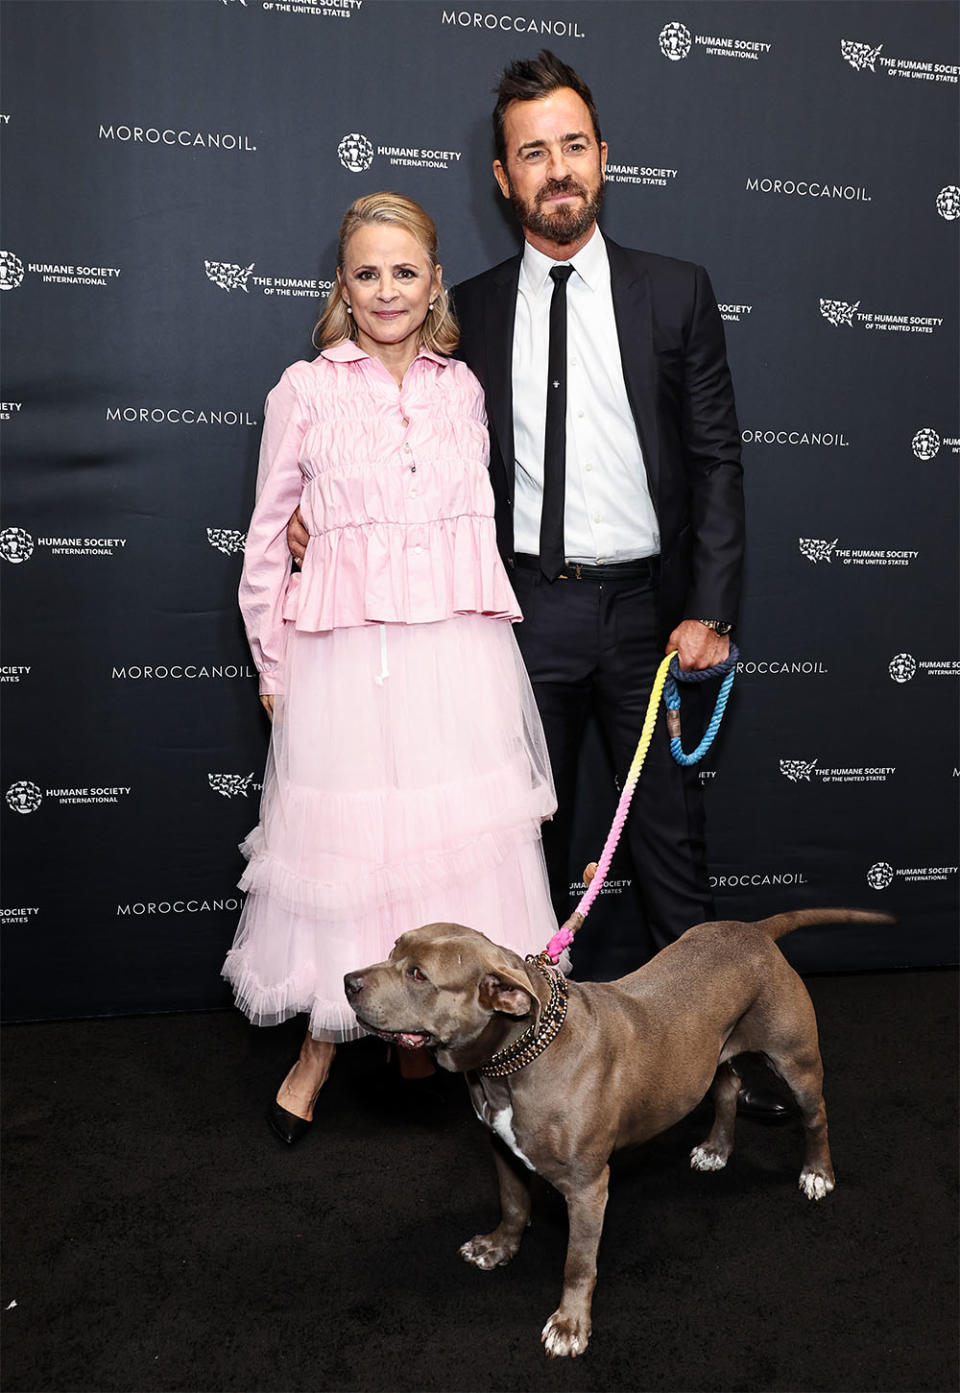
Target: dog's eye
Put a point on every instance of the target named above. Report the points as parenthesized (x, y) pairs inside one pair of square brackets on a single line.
[(416, 974)]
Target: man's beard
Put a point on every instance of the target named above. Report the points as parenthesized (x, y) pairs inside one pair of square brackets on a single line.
[(562, 224)]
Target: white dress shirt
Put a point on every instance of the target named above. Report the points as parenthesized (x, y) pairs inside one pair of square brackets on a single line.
[(608, 513)]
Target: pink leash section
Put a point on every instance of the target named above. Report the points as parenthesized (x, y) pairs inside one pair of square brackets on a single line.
[(564, 936)]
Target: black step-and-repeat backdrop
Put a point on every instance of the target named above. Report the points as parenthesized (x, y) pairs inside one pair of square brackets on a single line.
[(175, 174)]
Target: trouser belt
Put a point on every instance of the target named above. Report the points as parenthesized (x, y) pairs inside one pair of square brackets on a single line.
[(644, 568)]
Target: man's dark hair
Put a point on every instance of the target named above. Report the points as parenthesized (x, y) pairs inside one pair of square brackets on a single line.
[(530, 79)]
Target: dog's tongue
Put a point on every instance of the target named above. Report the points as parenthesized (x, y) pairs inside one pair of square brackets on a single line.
[(412, 1042)]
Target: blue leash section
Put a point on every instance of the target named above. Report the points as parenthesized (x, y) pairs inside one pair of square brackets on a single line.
[(671, 699)]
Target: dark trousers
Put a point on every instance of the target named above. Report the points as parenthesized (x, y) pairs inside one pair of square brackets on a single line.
[(593, 646)]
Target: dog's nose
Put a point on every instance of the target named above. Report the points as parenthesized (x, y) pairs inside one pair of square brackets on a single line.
[(353, 984)]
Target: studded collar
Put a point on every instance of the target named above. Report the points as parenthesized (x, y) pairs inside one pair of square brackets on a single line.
[(535, 1039)]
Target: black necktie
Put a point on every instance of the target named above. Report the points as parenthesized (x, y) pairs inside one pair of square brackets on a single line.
[(552, 555)]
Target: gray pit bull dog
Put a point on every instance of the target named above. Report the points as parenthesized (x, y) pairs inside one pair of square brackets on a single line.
[(564, 1073)]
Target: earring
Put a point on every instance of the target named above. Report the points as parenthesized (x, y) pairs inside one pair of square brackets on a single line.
[(431, 305), (349, 308)]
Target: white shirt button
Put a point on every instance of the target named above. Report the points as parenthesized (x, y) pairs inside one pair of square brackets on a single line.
[(579, 415), (597, 517), (418, 550), (588, 466)]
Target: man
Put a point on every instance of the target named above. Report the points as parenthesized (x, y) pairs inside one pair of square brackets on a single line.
[(641, 552)]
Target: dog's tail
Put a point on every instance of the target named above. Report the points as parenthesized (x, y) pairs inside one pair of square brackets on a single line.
[(780, 924)]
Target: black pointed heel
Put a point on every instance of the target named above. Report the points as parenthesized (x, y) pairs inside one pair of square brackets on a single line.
[(286, 1125)]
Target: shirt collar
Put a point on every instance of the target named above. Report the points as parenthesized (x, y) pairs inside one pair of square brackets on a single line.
[(346, 351), (590, 264)]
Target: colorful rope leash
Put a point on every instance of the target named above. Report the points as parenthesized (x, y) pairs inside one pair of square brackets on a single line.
[(665, 685), (671, 699)]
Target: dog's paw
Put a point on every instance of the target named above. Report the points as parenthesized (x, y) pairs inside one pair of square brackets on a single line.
[(488, 1250), (703, 1160), (564, 1336), (814, 1184)]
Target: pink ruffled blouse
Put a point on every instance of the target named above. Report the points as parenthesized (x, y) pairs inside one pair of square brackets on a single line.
[(393, 488)]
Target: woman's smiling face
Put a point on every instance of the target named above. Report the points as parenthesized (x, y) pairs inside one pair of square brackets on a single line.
[(388, 282)]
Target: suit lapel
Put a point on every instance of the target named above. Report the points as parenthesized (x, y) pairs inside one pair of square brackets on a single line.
[(500, 312), (633, 312)]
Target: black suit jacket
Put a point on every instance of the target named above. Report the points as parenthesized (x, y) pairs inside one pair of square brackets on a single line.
[(679, 388)]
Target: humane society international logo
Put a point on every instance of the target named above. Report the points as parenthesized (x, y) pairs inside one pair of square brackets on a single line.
[(24, 796), (903, 667), (927, 442), (17, 546), (948, 202), (881, 874), (677, 42), (357, 153), (13, 271)]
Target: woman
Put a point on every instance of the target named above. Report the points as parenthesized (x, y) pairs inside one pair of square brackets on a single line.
[(407, 775)]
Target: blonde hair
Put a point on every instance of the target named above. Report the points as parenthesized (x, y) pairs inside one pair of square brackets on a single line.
[(439, 332)]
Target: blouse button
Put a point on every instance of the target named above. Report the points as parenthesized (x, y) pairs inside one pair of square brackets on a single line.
[(418, 550)]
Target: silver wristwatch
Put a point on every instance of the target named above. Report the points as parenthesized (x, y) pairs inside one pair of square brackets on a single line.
[(719, 626)]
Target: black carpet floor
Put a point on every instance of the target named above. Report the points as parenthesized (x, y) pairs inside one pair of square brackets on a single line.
[(158, 1237)]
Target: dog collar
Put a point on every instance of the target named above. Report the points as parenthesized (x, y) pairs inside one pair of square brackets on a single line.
[(535, 1038)]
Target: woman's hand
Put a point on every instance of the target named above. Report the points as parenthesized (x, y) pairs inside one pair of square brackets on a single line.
[(297, 538), (267, 703)]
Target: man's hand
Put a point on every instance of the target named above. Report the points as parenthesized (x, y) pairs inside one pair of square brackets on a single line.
[(697, 646), (297, 538), (267, 703)]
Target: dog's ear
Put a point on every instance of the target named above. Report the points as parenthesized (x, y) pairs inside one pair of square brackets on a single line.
[(506, 992)]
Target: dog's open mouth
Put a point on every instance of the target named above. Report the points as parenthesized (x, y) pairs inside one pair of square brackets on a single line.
[(409, 1039)]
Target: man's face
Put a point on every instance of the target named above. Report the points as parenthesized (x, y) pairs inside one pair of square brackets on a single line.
[(554, 168)]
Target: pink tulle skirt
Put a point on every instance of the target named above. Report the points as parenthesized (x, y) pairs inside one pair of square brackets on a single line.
[(406, 783)]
